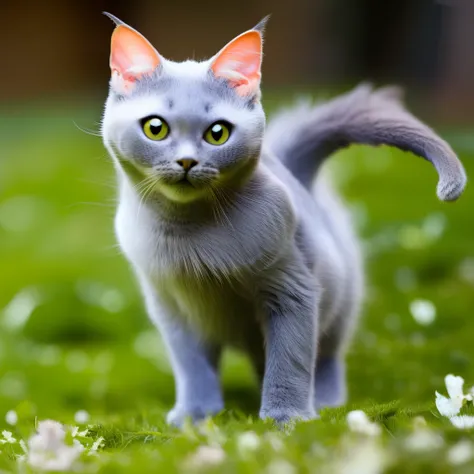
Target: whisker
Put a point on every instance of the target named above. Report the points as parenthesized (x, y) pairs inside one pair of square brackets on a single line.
[(93, 133), (220, 194), (146, 193), (216, 209), (97, 204), (144, 183), (90, 181)]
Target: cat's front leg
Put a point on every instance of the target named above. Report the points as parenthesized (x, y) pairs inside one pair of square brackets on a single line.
[(290, 298), (195, 367), (194, 362)]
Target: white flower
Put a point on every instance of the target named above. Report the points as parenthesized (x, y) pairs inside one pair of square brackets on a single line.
[(23, 446), (48, 451), (206, 456), (275, 441), (360, 423), (454, 385), (11, 417), (364, 457), (452, 406), (7, 438), (281, 466), (463, 422), (423, 312), (447, 406), (211, 431), (81, 417), (75, 432), (50, 436), (423, 439), (97, 444), (248, 441), (461, 452)]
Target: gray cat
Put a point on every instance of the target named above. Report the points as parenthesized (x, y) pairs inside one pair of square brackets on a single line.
[(229, 239)]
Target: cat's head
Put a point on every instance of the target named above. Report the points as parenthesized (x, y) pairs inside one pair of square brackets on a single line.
[(184, 128)]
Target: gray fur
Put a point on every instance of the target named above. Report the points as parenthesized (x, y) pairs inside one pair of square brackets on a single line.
[(361, 116), (249, 256)]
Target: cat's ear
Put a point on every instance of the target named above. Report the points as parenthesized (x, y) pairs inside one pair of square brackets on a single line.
[(131, 56), (240, 61)]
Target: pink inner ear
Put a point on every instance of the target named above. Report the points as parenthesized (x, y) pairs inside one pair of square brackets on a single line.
[(240, 62), (131, 55)]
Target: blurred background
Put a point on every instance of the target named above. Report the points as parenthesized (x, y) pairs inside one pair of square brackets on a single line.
[(73, 332), (58, 49)]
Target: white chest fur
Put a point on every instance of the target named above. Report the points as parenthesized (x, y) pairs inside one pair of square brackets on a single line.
[(207, 273)]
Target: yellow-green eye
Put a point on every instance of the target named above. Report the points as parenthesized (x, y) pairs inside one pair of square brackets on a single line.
[(218, 133), (155, 128)]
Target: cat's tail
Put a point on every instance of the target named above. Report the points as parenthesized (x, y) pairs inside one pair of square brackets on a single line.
[(303, 137)]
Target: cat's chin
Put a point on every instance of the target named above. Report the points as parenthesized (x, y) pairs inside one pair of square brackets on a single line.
[(182, 192)]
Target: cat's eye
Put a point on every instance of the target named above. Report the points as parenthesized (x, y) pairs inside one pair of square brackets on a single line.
[(218, 133), (155, 128)]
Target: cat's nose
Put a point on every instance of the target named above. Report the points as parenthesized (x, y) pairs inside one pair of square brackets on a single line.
[(187, 163)]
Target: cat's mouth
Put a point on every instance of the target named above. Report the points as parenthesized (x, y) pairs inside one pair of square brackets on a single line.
[(184, 181), (184, 188)]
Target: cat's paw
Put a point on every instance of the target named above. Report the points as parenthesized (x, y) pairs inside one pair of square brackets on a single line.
[(283, 416), (178, 415)]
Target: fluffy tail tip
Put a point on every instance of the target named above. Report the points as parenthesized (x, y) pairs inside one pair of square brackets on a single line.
[(451, 189)]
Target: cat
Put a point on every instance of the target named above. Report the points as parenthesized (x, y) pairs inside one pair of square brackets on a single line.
[(234, 237)]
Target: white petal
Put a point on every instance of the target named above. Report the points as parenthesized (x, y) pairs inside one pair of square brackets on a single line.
[(97, 444), (357, 419), (360, 423), (11, 417), (463, 422), (206, 456), (281, 466), (23, 446), (248, 441), (454, 385), (8, 437), (461, 452), (423, 312), (50, 436), (81, 417), (447, 406), (275, 441), (424, 439), (366, 457)]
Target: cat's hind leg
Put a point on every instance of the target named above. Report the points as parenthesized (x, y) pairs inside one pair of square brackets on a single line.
[(330, 388), (330, 382)]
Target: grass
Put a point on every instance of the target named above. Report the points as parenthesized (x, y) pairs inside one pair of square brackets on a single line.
[(74, 335)]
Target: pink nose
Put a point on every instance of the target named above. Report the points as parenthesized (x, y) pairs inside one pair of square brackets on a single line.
[(187, 163)]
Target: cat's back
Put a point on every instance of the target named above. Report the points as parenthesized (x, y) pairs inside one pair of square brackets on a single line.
[(326, 235)]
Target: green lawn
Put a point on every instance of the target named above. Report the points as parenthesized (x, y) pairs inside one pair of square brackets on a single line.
[(74, 335)]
